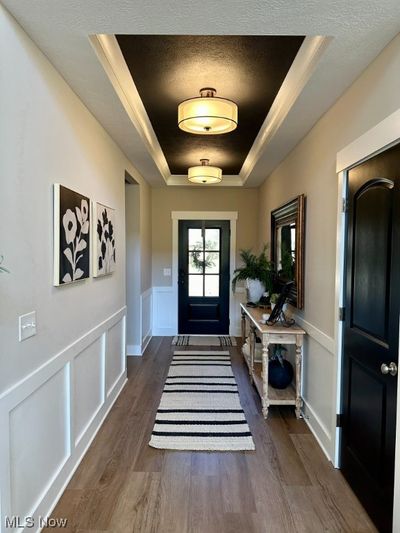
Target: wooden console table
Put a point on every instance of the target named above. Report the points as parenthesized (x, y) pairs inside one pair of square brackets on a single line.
[(275, 334)]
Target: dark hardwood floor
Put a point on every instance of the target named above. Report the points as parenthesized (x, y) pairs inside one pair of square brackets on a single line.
[(286, 485)]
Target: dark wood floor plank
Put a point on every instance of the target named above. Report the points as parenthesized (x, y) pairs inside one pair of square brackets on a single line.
[(337, 495), (267, 487), (292, 424), (292, 471), (239, 523), (137, 509), (205, 463), (175, 492), (309, 516), (237, 491), (68, 508), (206, 505), (285, 486)]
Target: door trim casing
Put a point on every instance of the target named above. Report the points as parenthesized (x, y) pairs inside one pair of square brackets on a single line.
[(232, 216), (381, 137)]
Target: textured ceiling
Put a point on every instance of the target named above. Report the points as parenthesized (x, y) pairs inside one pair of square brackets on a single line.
[(359, 29), (168, 69)]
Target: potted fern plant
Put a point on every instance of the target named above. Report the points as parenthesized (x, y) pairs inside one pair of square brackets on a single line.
[(257, 272)]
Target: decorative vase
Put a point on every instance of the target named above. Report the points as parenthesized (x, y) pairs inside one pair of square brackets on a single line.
[(255, 289), (279, 376)]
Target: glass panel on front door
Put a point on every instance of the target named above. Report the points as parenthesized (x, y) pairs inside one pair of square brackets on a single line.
[(204, 261)]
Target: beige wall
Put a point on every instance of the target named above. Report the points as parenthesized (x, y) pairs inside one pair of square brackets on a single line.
[(310, 169), (168, 199), (64, 379), (48, 136)]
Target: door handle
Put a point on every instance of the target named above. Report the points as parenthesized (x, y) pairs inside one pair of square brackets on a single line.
[(389, 369)]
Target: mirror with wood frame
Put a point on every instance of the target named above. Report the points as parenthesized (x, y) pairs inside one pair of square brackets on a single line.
[(287, 247)]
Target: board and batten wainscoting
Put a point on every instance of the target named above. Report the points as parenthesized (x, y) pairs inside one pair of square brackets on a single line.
[(165, 311), (145, 324), (319, 354), (50, 417)]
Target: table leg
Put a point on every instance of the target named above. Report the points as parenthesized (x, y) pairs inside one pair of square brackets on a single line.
[(299, 401), (265, 402), (252, 341), (243, 327)]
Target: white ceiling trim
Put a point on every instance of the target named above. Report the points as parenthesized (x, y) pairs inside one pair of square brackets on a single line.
[(227, 181), (301, 70), (113, 62), (379, 138), (204, 215), (296, 79)]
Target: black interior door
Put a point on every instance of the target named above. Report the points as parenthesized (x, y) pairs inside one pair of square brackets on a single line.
[(371, 333), (204, 277)]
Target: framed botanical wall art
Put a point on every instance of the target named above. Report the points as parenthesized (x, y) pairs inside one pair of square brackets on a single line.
[(104, 249), (71, 236)]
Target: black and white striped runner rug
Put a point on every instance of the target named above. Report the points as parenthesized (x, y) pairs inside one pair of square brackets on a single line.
[(200, 406), (203, 340)]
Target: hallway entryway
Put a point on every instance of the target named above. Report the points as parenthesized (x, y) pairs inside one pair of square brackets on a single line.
[(123, 485)]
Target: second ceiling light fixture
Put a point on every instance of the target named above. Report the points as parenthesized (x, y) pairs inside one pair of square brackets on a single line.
[(207, 114)]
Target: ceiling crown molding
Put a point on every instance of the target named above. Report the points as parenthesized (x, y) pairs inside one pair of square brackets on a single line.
[(112, 60), (296, 79)]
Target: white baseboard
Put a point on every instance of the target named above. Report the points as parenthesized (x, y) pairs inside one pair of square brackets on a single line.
[(81, 383), (146, 322), (164, 332), (146, 341), (318, 429), (133, 350)]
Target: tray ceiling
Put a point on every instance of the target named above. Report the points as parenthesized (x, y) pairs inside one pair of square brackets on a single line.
[(64, 31), (167, 69)]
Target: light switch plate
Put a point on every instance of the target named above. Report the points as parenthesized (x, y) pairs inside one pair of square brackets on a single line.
[(167, 272), (27, 326)]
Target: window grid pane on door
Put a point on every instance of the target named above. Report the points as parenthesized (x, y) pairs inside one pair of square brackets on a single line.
[(196, 285), (195, 262), (195, 238), (212, 262), (212, 239), (211, 285)]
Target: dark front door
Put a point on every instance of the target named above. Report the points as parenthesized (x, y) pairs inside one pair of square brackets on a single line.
[(371, 333), (204, 277)]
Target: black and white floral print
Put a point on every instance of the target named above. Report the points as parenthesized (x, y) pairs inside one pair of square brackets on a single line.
[(73, 226), (76, 226), (105, 236)]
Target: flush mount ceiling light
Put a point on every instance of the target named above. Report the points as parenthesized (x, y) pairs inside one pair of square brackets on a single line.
[(205, 173), (207, 114)]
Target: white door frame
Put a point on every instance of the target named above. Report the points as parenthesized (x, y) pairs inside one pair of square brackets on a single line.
[(376, 140), (232, 216)]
